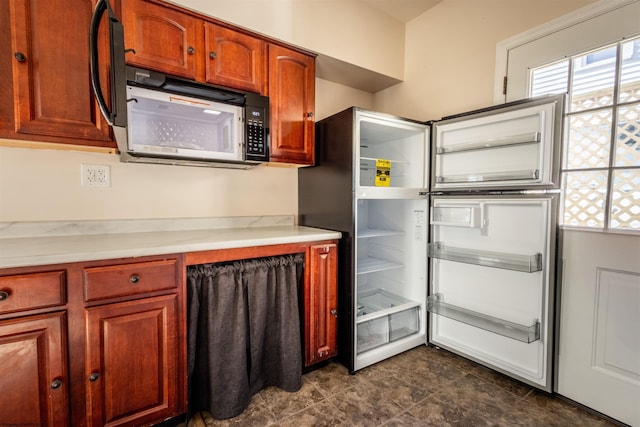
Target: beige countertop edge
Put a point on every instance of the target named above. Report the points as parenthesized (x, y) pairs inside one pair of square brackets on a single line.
[(38, 251)]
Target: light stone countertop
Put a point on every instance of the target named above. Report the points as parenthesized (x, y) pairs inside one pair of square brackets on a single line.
[(42, 243)]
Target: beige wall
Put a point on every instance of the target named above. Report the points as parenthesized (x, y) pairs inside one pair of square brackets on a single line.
[(348, 30), (450, 52)]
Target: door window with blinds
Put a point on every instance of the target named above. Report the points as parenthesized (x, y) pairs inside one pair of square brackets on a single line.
[(601, 167)]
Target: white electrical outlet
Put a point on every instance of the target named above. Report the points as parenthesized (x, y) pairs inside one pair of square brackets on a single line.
[(96, 176)]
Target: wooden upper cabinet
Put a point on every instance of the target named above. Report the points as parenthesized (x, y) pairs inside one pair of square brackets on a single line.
[(235, 59), (33, 371), (292, 105), (177, 43), (162, 39), (45, 86)]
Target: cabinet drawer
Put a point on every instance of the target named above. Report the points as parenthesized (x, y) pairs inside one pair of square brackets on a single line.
[(30, 291), (129, 279)]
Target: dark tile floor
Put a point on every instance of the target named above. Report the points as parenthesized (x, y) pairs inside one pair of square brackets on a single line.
[(421, 387)]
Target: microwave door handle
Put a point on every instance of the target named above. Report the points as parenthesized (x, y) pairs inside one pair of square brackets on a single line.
[(118, 78)]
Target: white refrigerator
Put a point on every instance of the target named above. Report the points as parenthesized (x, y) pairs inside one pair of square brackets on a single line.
[(450, 235)]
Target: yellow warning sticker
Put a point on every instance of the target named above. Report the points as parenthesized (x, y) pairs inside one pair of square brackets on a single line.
[(383, 173)]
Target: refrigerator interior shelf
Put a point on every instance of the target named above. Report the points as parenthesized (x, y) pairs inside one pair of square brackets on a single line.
[(372, 264), (376, 232), (383, 317), (526, 334), (526, 138), (373, 160), (497, 176), (507, 261)]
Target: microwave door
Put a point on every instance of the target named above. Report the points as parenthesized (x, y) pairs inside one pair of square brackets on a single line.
[(165, 124), (512, 146)]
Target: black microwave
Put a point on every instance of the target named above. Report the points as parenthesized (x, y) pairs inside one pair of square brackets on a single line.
[(157, 118)]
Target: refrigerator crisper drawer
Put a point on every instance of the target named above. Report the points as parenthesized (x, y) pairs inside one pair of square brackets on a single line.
[(383, 318), (512, 146)]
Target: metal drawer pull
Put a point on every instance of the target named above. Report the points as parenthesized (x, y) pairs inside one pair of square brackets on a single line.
[(94, 377), (4, 295), (134, 278), (334, 312), (55, 384), (20, 57)]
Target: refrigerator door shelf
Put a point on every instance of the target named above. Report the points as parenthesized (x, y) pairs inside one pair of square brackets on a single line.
[(508, 261), (470, 216), (527, 138), (519, 175), (523, 333)]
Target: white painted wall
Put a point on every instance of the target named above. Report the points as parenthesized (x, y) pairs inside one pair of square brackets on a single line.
[(448, 68), (450, 54)]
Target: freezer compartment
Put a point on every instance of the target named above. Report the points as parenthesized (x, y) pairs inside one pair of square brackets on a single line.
[(524, 333), (511, 146), (393, 153), (383, 318)]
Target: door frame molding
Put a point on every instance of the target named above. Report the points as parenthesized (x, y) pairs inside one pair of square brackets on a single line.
[(600, 7)]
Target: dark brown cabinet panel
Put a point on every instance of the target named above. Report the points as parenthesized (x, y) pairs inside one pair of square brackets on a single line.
[(321, 304), (162, 39), (292, 105), (235, 59), (33, 371), (45, 89), (132, 364)]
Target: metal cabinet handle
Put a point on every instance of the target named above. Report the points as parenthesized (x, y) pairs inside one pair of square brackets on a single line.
[(134, 278), (191, 50), (20, 57), (4, 295), (310, 114), (94, 377), (55, 384), (334, 312), (212, 55)]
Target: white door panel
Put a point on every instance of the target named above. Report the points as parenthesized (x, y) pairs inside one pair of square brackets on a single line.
[(599, 347)]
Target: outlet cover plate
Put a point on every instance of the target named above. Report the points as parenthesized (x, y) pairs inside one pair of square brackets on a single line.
[(96, 176)]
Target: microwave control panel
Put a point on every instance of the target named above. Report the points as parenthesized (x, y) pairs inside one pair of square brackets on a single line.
[(257, 141)]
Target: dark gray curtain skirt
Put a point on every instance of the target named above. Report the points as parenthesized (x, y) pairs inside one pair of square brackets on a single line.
[(243, 331)]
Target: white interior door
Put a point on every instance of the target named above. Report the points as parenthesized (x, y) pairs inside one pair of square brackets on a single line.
[(599, 350)]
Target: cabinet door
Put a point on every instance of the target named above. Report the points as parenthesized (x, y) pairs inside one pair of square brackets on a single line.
[(321, 304), (133, 362), (45, 84), (292, 104), (234, 59), (33, 371), (162, 39)]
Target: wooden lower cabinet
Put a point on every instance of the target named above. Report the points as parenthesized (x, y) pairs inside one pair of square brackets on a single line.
[(321, 305), (34, 384), (93, 344), (132, 361)]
